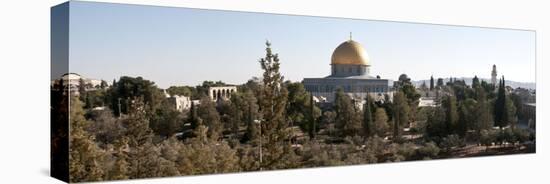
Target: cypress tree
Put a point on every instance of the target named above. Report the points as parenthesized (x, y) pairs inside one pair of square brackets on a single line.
[(380, 126), (451, 114), (193, 116), (500, 110), (506, 114), (483, 114), (312, 127), (367, 118), (509, 110), (464, 118), (114, 83), (475, 82), (103, 84), (401, 113), (252, 132), (432, 83), (236, 113), (439, 83), (82, 89)]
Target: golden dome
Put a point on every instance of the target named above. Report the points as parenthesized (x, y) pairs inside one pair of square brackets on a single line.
[(350, 53)]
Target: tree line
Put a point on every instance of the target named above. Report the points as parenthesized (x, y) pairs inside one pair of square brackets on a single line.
[(276, 124)]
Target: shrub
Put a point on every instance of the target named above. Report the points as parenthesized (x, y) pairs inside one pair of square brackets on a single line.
[(487, 137), (450, 142), (521, 135), (505, 136), (408, 150), (429, 150)]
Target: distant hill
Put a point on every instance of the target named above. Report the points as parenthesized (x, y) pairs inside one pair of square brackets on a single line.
[(468, 80)]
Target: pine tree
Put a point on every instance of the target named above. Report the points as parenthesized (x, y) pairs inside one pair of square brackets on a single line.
[(210, 117), (166, 120), (137, 124), (273, 101), (412, 97), (85, 156), (129, 88), (140, 144), (120, 170), (147, 162), (436, 124), (347, 119), (202, 155)]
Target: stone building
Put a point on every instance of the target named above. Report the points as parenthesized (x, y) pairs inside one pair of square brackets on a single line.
[(179, 102), (350, 71), (221, 92), (530, 113), (72, 81)]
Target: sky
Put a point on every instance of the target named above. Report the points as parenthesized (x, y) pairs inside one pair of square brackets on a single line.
[(182, 46)]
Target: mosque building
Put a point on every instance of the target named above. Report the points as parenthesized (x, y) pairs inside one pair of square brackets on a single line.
[(350, 71)]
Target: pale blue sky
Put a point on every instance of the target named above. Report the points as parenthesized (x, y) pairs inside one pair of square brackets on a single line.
[(180, 46)]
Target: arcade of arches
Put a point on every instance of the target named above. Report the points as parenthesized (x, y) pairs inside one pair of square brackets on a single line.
[(221, 92)]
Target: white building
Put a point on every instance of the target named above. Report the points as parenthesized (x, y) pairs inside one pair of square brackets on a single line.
[(426, 102), (179, 102), (221, 92), (72, 80)]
